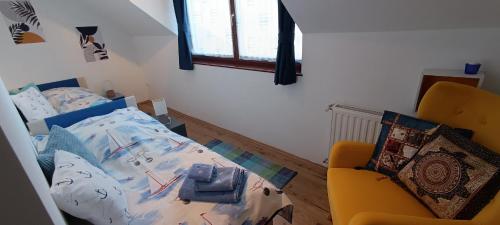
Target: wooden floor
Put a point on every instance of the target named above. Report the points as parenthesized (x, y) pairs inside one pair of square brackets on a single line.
[(307, 190)]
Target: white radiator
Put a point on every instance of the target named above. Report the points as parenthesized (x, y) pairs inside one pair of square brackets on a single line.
[(349, 123)]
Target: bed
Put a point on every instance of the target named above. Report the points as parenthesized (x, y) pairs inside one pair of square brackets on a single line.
[(64, 96), (154, 165)]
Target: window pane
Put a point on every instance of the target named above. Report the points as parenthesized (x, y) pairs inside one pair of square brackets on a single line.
[(257, 23), (298, 43), (210, 24)]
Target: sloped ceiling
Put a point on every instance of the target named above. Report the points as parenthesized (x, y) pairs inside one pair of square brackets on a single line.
[(329, 16), (156, 17), (161, 10), (128, 16)]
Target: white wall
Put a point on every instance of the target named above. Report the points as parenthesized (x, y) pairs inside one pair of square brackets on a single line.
[(61, 57), (374, 70)]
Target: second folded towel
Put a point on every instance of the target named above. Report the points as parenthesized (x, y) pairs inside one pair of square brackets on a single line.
[(224, 179)]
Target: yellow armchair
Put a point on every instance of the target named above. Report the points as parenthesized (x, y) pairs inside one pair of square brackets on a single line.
[(347, 154), (370, 218), (361, 197)]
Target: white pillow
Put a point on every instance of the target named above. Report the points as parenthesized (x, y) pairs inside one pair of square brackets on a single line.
[(33, 105), (86, 192)]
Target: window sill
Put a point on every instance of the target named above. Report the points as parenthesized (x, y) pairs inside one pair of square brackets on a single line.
[(260, 66)]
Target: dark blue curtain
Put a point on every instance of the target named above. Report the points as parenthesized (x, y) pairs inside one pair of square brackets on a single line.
[(285, 73), (183, 35)]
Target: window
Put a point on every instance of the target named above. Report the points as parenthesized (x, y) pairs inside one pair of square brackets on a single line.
[(237, 33)]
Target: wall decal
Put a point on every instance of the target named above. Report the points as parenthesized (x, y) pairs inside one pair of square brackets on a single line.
[(23, 23), (92, 44)]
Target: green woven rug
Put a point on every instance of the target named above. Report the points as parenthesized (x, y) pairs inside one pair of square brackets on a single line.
[(274, 173)]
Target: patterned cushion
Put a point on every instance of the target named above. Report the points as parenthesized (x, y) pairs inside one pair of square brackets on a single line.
[(400, 138), (454, 177), (86, 192)]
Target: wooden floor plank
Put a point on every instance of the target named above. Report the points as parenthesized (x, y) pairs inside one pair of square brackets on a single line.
[(307, 190)]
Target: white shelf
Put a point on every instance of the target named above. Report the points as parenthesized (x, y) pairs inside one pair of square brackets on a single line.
[(448, 73), (452, 73)]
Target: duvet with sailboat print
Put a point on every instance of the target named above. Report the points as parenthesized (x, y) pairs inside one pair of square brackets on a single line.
[(151, 163)]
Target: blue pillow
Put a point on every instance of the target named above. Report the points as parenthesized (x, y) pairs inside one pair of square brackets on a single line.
[(61, 139)]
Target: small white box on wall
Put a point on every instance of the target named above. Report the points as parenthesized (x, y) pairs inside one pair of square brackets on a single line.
[(160, 107)]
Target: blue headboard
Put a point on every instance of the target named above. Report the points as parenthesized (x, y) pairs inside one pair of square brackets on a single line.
[(62, 83)]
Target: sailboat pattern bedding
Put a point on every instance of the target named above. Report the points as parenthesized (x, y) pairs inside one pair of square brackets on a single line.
[(151, 163)]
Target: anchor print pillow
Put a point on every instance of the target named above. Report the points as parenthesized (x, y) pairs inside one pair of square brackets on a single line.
[(86, 192)]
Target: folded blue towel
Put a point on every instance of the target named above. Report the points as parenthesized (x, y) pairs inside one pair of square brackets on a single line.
[(224, 179), (187, 192), (201, 172)]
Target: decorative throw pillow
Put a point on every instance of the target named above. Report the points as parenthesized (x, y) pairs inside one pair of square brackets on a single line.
[(86, 192), (33, 105), (452, 176), (400, 138), (61, 139)]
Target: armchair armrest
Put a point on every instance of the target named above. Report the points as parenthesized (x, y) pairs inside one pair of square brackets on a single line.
[(370, 218), (345, 154)]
